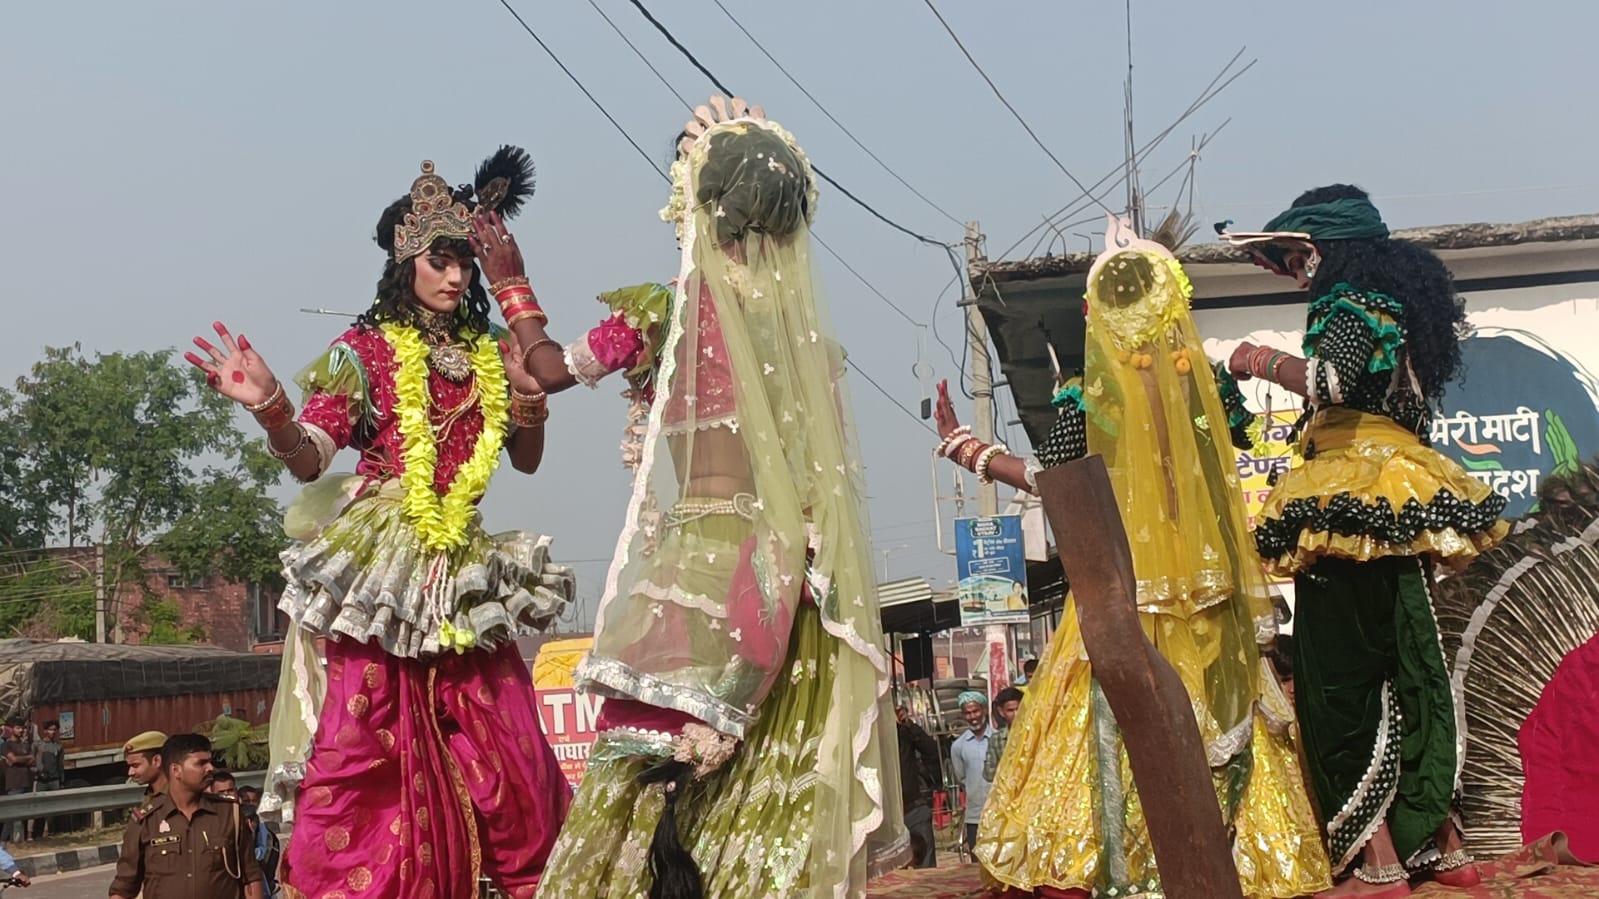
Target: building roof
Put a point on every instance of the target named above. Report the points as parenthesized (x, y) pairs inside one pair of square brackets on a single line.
[(1030, 304), (1437, 238)]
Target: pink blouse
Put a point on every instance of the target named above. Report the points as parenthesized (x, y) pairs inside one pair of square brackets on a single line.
[(345, 418), (615, 345)]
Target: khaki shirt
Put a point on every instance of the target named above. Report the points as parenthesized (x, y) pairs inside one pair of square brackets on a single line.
[(170, 856)]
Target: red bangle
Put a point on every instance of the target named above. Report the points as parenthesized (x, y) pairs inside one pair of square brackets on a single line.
[(969, 453), (1257, 360), (515, 312), (507, 294), (277, 416)]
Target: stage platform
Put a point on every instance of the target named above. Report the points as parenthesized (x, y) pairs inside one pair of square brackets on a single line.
[(1538, 871)]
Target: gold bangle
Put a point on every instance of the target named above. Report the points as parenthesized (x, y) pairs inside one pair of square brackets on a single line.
[(527, 314), (513, 281), (987, 459), (277, 417), (277, 394), (527, 354), (286, 455)]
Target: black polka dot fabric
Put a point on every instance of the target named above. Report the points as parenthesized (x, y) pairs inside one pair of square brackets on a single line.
[(1347, 515), (1345, 345), (1067, 440)]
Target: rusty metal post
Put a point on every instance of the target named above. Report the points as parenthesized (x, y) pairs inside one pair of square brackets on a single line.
[(1151, 705)]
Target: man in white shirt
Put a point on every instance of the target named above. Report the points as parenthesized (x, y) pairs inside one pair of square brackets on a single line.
[(966, 756)]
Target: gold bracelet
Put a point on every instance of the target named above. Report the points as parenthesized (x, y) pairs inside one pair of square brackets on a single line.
[(986, 459), (526, 314), (513, 281), (529, 410), (527, 354), (286, 455), (277, 394), (276, 417)]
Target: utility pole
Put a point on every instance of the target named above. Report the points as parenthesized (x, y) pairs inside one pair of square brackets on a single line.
[(997, 636), (99, 593), (982, 373)]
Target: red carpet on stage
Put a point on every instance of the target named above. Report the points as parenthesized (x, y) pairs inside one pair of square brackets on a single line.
[(1542, 870)]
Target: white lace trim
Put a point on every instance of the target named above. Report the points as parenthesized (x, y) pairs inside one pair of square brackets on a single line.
[(1367, 782), (581, 363), (1456, 704)]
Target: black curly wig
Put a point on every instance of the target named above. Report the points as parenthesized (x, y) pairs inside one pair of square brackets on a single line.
[(396, 296), (1435, 316)]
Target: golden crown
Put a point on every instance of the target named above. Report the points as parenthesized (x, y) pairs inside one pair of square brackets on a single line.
[(435, 213)]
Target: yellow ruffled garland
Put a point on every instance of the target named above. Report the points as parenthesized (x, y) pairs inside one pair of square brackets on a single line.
[(441, 522)]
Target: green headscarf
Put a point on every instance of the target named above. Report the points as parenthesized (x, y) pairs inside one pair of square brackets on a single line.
[(1346, 219)]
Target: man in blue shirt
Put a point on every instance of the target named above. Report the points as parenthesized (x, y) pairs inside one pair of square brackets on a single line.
[(8, 868), (966, 756)]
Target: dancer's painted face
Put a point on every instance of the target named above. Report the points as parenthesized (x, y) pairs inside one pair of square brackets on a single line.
[(1296, 262), (441, 280)]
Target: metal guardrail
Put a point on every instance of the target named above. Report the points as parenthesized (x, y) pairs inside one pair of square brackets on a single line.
[(84, 800)]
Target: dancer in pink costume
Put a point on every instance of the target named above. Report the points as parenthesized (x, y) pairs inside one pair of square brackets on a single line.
[(413, 762)]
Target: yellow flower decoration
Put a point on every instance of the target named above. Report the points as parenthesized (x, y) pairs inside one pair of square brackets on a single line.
[(441, 522), (1256, 432)]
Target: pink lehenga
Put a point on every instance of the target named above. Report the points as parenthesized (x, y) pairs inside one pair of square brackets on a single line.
[(413, 762)]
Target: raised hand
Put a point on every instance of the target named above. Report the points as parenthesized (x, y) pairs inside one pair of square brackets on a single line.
[(236, 370), (520, 379), (944, 412), (496, 248)]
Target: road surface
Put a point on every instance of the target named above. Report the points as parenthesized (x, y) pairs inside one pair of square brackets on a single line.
[(90, 883)]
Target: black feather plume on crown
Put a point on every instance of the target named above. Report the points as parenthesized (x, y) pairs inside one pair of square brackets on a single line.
[(505, 180)]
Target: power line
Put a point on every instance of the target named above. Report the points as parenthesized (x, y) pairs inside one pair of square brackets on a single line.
[(850, 134), (1018, 116), (888, 396), (651, 162), (597, 105), (862, 278), (694, 60), (1209, 93), (642, 58)]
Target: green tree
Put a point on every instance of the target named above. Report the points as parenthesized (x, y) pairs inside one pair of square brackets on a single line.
[(163, 623), (240, 745), (132, 451)]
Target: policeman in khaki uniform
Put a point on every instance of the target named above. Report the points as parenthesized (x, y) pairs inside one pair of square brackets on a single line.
[(143, 757), (186, 843)]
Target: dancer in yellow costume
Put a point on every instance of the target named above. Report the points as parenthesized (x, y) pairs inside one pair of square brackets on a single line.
[(1064, 817)]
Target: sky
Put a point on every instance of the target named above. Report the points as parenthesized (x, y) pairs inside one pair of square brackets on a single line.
[(167, 164)]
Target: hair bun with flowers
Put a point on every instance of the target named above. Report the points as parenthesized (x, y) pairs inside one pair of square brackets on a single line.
[(747, 171)]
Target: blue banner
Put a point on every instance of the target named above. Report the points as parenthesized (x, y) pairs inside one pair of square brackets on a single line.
[(991, 557)]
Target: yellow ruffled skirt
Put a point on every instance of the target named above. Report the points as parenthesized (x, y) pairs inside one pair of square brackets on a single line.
[(1064, 811), (1369, 489)]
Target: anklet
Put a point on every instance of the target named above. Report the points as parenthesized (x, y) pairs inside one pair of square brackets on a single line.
[(1451, 861), (1381, 874)]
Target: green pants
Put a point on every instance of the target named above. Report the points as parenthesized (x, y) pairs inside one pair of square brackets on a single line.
[(1374, 703)]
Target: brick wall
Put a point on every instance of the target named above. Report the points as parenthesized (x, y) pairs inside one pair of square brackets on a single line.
[(233, 616)]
